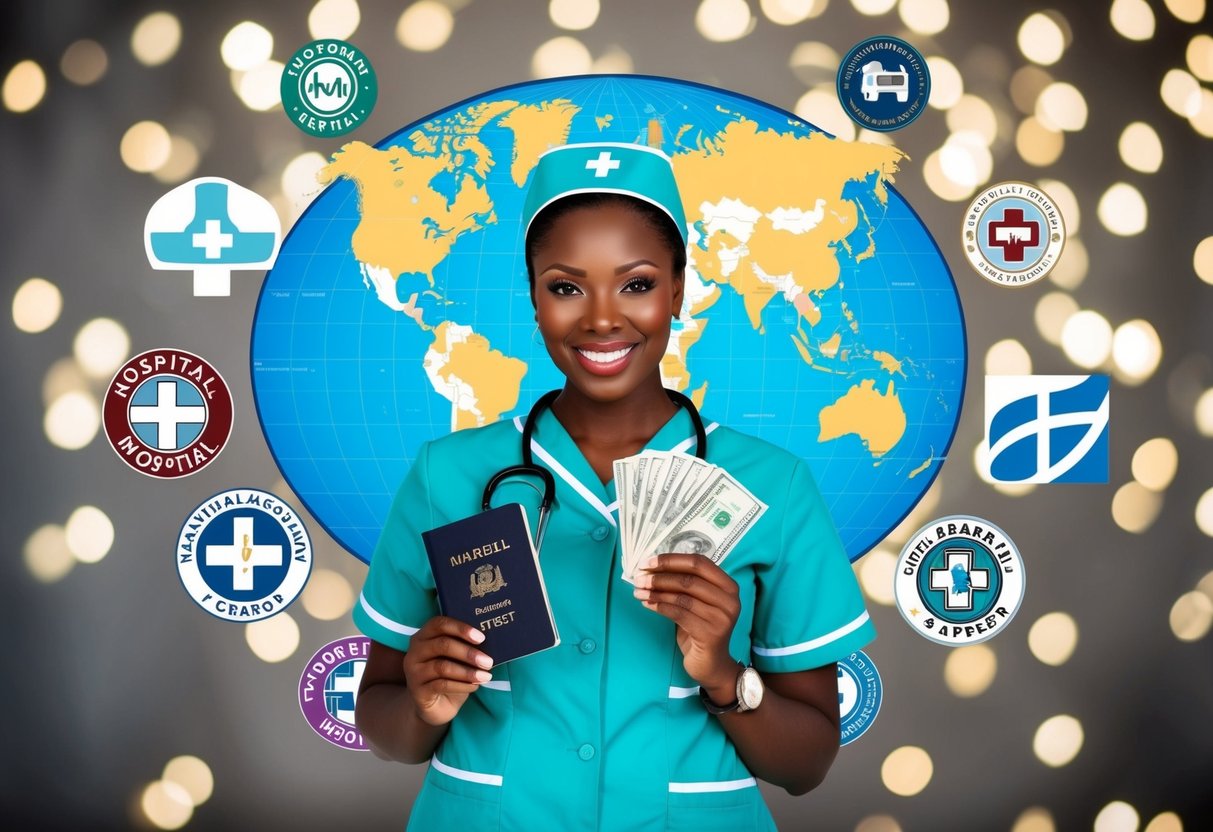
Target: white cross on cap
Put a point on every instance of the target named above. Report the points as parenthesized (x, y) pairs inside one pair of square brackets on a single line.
[(603, 165)]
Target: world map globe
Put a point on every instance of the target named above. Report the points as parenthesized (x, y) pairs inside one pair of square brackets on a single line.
[(818, 311)]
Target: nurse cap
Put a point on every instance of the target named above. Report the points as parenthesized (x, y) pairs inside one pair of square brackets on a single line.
[(605, 167)]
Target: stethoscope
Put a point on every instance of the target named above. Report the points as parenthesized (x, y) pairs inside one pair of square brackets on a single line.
[(529, 468)]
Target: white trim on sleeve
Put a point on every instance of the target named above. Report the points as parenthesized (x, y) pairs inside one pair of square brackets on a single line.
[(713, 786), (813, 644), (496, 684), (683, 693), (382, 620), (462, 774)]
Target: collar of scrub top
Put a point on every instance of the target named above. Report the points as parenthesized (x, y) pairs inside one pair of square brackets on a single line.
[(634, 170)]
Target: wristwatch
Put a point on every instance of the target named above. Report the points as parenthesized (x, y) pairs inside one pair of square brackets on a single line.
[(749, 693)]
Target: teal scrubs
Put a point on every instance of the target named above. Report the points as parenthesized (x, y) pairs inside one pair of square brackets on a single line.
[(606, 731)]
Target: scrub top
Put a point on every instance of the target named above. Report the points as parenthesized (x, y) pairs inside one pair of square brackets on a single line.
[(606, 731)]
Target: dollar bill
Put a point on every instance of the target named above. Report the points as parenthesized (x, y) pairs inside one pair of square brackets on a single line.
[(722, 514)]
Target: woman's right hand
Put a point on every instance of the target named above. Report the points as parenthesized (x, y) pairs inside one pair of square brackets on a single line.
[(442, 666)]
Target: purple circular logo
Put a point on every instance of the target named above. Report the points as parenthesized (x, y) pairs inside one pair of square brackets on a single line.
[(328, 689)]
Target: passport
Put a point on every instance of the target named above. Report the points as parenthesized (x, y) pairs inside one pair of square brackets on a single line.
[(487, 574)]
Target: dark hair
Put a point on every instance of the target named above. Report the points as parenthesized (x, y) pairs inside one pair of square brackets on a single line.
[(654, 217)]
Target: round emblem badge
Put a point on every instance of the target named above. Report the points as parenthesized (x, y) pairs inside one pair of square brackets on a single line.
[(1013, 234), (859, 695), (883, 83), (167, 413), (328, 689), (328, 88), (244, 555), (960, 580)]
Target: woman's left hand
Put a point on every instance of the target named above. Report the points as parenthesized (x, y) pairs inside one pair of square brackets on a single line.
[(702, 600)]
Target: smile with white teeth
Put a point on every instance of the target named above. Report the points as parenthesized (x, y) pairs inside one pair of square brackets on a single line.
[(599, 357)]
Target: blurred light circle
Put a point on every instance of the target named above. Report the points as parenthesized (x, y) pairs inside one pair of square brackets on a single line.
[(907, 770), (1140, 148), (191, 774), (299, 181), (1062, 107), (1133, 19), (1071, 270), (972, 114), (970, 670), (1122, 210), (1203, 413), (1041, 39), (940, 183), (1136, 349), (260, 88), (36, 305), (1066, 201), (1180, 92), (814, 62), (72, 420), (723, 20), (182, 161), (1204, 512), (273, 639), (878, 823), (145, 146), (1037, 143), (156, 38), (1191, 616), (246, 45), (925, 17), (946, 84), (64, 376), (1052, 312), (1205, 585), (1189, 11), (336, 19), (791, 12), (166, 804), (84, 62), (1008, 357), (1202, 260), (1086, 338), (1202, 119), (328, 595), (966, 160), (574, 14), (1052, 638), (46, 554), (1034, 819), (101, 346), (876, 575), (821, 108), (1155, 463), (1166, 822), (1027, 83), (1058, 740), (90, 534), (614, 60), (1135, 507), (1117, 816), (1199, 55), (562, 55), (425, 26), (873, 7)]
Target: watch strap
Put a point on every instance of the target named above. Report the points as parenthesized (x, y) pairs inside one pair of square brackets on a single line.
[(712, 707)]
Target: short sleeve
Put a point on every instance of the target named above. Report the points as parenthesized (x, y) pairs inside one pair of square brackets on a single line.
[(398, 595), (808, 611)]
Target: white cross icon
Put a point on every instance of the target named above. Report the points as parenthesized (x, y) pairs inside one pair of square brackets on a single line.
[(603, 165), (212, 241), (166, 414), (243, 555), (944, 578)]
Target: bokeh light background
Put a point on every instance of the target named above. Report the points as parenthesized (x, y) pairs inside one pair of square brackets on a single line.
[(125, 706)]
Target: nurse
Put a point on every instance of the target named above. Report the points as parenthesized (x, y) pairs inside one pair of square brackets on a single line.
[(664, 703)]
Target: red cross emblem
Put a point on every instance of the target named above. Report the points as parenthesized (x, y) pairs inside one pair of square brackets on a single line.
[(1013, 234)]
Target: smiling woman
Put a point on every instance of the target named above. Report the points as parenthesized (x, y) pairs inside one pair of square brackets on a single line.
[(651, 713)]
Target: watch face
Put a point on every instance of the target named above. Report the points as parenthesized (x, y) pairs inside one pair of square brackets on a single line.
[(751, 688)]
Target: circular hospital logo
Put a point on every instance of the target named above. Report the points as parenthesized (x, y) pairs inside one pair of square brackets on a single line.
[(328, 88), (883, 83), (959, 580), (1013, 234), (244, 555), (328, 690), (859, 694), (167, 413)]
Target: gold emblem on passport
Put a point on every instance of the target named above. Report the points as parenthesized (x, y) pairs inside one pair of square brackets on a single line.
[(486, 579)]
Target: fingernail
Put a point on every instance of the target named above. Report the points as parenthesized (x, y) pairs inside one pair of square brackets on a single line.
[(641, 593), (484, 661), (477, 636), (649, 604), (645, 581), (649, 563), (483, 675)]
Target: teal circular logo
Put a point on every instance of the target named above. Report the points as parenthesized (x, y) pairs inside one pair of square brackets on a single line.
[(328, 88)]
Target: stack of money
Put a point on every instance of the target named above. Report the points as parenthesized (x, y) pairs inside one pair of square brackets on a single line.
[(675, 502)]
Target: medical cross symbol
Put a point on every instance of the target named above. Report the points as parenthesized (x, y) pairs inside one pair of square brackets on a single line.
[(212, 241), (603, 165), (957, 579), (166, 414), (1013, 234), (243, 555), (341, 690)]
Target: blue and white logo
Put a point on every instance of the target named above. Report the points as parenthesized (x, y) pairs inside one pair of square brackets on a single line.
[(1043, 429), (244, 555), (859, 694), (883, 83), (167, 412)]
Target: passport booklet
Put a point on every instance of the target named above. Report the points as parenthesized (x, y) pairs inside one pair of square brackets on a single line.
[(486, 571)]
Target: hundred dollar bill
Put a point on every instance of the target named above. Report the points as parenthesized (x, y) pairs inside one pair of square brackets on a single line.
[(676, 496), (720, 517)]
